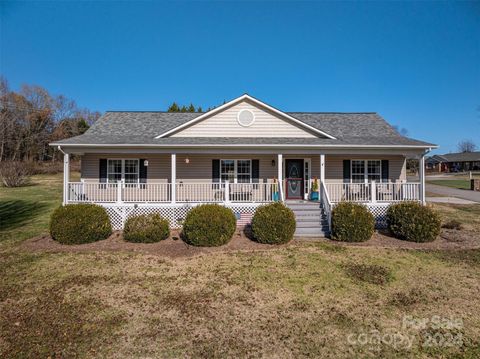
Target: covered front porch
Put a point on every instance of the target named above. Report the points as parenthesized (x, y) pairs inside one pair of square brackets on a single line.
[(159, 178)]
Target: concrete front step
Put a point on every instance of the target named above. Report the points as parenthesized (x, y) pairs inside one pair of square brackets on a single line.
[(304, 213), (310, 224), (310, 232), (299, 207)]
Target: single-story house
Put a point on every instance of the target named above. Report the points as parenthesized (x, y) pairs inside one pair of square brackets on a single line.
[(454, 162), (242, 154)]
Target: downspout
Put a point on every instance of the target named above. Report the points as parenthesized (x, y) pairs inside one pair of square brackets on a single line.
[(66, 169), (422, 175)]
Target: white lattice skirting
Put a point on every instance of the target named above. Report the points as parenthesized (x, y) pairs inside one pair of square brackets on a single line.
[(379, 211), (175, 214)]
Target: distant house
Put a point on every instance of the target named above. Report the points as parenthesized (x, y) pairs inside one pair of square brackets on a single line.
[(454, 162)]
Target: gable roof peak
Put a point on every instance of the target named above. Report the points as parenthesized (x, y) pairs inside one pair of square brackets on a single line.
[(238, 100)]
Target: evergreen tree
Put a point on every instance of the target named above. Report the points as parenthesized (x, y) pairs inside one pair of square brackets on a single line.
[(183, 109), (191, 108), (173, 108), (199, 109)]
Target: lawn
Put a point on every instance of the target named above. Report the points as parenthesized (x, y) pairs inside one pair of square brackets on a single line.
[(309, 299), (454, 183)]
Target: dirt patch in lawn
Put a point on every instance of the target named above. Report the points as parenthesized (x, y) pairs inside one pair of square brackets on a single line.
[(172, 247)]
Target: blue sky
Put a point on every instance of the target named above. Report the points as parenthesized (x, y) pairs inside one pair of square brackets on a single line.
[(415, 63)]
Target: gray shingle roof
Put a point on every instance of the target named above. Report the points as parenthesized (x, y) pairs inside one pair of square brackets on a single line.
[(141, 128)]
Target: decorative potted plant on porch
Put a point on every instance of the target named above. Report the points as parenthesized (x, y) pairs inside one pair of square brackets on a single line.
[(275, 190), (314, 190)]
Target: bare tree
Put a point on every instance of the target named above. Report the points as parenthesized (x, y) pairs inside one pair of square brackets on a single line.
[(466, 146)]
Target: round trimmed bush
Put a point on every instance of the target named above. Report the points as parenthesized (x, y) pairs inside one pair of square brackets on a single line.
[(273, 224), (209, 225), (352, 222), (148, 228), (414, 222), (80, 223)]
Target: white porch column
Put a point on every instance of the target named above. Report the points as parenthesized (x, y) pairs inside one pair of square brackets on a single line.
[(173, 176), (280, 174), (421, 171), (322, 168), (66, 176)]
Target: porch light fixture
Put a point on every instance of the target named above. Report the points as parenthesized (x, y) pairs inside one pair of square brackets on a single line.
[(273, 163), (187, 160)]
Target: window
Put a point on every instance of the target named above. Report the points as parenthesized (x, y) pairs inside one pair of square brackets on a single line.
[(236, 171), (358, 171), (131, 171), (366, 170), (123, 169), (374, 170), (114, 170)]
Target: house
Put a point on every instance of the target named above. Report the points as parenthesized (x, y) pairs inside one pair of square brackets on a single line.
[(242, 154), (454, 162)]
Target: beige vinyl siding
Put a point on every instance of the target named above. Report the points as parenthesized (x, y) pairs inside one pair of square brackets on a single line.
[(225, 124), (199, 168), (334, 166), (158, 170)]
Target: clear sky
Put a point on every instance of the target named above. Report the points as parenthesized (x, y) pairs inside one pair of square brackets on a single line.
[(415, 63)]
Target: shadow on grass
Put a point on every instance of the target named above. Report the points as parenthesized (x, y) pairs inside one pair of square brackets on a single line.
[(15, 213)]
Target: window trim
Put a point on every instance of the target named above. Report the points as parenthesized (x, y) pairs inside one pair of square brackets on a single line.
[(365, 169), (235, 166), (123, 170)]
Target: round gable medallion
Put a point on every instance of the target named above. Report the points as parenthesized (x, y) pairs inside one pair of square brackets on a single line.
[(245, 118)]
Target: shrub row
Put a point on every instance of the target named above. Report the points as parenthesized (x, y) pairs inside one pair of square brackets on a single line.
[(205, 225), (410, 221)]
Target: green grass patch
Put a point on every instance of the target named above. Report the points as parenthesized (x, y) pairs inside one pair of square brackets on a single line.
[(454, 183)]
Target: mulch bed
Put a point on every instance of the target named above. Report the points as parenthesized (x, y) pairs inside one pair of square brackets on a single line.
[(449, 239), (173, 248)]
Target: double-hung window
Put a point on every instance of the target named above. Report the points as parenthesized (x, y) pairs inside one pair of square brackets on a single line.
[(236, 171), (123, 169), (366, 170)]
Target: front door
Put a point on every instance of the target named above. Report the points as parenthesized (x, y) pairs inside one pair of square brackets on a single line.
[(294, 178)]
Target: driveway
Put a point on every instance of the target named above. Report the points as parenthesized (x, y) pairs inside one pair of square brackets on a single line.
[(453, 192)]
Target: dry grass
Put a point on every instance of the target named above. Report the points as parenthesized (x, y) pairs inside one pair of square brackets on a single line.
[(291, 302), (467, 215)]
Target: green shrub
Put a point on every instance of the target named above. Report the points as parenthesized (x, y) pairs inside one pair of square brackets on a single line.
[(352, 222), (414, 222), (273, 224), (209, 225), (80, 223), (148, 228)]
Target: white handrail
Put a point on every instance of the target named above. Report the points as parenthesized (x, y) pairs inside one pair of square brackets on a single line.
[(326, 204)]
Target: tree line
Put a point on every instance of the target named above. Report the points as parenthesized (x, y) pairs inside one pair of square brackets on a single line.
[(31, 118)]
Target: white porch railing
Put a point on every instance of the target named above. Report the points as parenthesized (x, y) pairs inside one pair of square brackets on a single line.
[(92, 192), (145, 192), (326, 203), (252, 192), (200, 192), (87, 192), (373, 192)]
